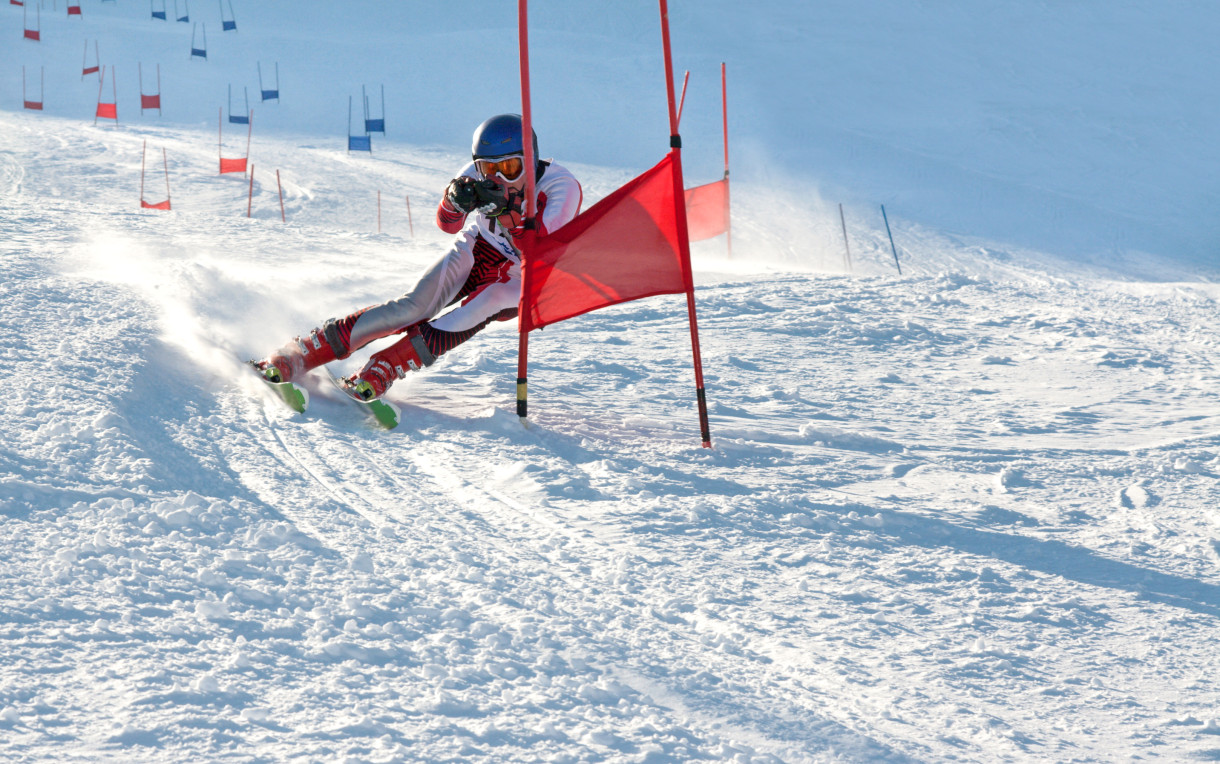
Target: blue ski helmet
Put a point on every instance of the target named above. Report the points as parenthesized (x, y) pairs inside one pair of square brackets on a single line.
[(500, 136)]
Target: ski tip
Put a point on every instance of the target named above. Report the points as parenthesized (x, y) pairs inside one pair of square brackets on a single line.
[(294, 395), (386, 413)]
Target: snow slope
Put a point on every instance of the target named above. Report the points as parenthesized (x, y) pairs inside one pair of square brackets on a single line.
[(963, 514)]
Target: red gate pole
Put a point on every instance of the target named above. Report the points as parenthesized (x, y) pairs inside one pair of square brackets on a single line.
[(283, 219), (165, 159), (100, 81), (675, 142), (250, 198), (527, 239)]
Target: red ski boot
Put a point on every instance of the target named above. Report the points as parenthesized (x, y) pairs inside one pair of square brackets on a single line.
[(328, 343), (410, 353)]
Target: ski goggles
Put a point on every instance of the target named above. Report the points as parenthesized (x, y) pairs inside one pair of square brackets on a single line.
[(509, 168)]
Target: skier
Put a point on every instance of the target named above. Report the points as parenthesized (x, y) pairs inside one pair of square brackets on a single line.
[(482, 270)]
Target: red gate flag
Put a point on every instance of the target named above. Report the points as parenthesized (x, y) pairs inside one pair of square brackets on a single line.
[(707, 210), (623, 248)]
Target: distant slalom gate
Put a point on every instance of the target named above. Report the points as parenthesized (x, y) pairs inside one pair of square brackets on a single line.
[(85, 69), (707, 206), (229, 24), (150, 101), (357, 142), (234, 165), (241, 118), (197, 52), (25, 101), (34, 34), (371, 124), (272, 94), (165, 205), (107, 110)]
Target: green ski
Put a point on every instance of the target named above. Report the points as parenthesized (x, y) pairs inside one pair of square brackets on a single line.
[(294, 395), (384, 413)]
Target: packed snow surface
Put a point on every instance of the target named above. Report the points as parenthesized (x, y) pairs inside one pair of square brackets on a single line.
[(965, 513)]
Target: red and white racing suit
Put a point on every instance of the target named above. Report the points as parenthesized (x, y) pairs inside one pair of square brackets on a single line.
[(482, 271)]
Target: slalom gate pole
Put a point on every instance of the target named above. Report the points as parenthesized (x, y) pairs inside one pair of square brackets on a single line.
[(250, 198), (682, 100), (846, 245), (143, 150), (409, 222), (724, 101), (220, 136), (283, 218), (891, 235), (528, 238), (165, 159), (100, 81), (249, 135), (675, 142)]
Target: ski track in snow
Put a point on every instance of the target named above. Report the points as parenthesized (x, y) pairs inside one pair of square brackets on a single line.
[(964, 514)]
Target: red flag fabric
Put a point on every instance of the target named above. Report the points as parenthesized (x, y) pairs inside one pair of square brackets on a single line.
[(34, 105), (108, 111), (150, 101), (623, 248), (158, 206), (707, 210), (232, 165)]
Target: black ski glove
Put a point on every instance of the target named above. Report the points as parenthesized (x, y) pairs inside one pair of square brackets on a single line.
[(493, 201), (462, 195)]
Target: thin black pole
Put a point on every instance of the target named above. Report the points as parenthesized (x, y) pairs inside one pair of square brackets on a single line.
[(846, 246), (887, 232)]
